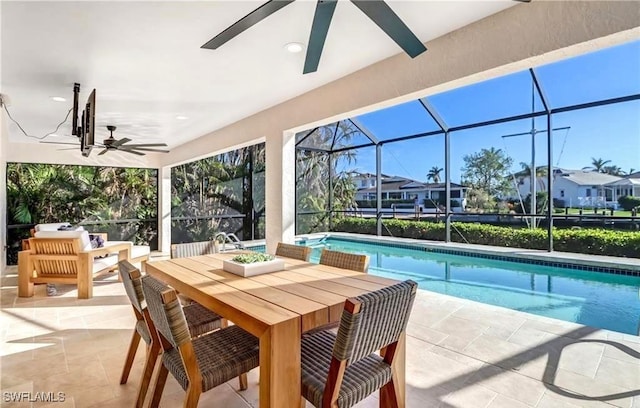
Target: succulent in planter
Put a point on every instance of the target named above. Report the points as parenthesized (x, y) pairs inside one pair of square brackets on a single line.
[(252, 258)]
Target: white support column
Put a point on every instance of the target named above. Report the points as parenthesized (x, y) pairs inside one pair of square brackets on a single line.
[(3, 192), (164, 209), (280, 189)]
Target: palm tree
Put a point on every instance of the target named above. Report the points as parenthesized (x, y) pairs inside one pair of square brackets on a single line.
[(597, 165), (434, 174), (613, 170)]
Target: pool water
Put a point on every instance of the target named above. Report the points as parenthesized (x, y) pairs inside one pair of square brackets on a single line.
[(596, 299)]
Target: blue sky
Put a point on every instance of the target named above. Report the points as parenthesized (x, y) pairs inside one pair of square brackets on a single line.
[(609, 132)]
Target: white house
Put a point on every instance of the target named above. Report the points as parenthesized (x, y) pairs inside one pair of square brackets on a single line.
[(628, 185), (402, 188), (582, 188)]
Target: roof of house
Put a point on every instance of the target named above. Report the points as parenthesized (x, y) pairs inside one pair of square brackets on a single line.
[(585, 177), (408, 185)]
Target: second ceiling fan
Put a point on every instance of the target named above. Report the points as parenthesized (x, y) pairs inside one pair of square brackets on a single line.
[(377, 10), (123, 145)]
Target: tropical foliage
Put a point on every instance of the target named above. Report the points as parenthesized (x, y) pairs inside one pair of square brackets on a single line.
[(317, 170), (119, 201), (604, 166), (488, 171), (434, 174), (221, 193)]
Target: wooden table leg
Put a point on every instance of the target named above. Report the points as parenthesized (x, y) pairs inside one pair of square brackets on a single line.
[(280, 365), (393, 394)]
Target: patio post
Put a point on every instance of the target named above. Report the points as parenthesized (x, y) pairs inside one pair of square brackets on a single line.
[(447, 185), (164, 209), (547, 109), (4, 137), (280, 203), (379, 189), (549, 184)]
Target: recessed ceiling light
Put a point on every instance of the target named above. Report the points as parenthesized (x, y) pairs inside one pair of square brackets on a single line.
[(294, 47), (58, 99), (182, 117)]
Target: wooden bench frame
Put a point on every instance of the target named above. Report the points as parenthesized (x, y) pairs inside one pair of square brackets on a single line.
[(62, 260)]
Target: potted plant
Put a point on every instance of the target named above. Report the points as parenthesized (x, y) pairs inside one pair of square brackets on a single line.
[(253, 263)]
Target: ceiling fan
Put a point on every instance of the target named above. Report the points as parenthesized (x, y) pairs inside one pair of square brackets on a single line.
[(122, 145), (377, 10)]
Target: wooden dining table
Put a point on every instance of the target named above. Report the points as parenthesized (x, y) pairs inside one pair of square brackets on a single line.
[(276, 308)]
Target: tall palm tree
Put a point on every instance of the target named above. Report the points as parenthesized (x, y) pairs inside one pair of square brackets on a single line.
[(434, 174), (597, 165)]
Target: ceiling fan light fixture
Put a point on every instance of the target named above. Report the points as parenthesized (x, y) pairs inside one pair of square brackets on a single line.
[(58, 99), (294, 47)]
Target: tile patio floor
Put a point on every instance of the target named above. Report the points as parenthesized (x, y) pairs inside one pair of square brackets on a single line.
[(459, 354)]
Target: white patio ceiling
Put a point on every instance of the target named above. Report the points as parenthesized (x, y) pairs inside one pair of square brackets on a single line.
[(145, 60)]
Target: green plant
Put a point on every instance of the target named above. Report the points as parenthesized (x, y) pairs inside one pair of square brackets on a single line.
[(252, 257), (629, 202), (595, 241)]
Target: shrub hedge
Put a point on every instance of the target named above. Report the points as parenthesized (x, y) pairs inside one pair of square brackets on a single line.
[(628, 203), (595, 241)]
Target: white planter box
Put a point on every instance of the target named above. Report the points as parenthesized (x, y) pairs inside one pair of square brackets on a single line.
[(252, 269)]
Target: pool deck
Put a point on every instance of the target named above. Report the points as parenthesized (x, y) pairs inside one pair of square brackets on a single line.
[(460, 353)]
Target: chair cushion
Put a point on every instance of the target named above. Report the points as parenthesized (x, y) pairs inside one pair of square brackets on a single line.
[(83, 235), (221, 356), (360, 379)]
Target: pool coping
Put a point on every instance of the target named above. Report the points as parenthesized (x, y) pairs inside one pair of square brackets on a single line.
[(594, 263)]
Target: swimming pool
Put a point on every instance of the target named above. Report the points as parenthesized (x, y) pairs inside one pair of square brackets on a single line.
[(596, 299)]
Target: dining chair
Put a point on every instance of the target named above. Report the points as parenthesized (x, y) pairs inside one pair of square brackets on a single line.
[(198, 364), (200, 320), (300, 252), (193, 249), (339, 370), (345, 260)]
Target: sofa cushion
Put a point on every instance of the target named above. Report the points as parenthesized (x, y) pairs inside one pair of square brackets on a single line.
[(85, 243), (56, 226), (100, 264), (140, 250), (136, 250)]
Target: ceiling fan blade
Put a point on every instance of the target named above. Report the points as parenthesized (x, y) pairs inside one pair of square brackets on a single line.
[(131, 151), (62, 143), (390, 23), (147, 145), (145, 149), (246, 22), (523, 1), (319, 30), (120, 142), (68, 148), (103, 152)]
